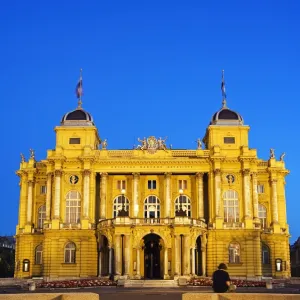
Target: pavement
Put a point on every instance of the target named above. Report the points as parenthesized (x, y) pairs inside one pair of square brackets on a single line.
[(166, 293)]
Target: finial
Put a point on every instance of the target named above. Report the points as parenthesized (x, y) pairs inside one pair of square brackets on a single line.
[(22, 157), (79, 90), (272, 153), (223, 90), (31, 153), (282, 156)]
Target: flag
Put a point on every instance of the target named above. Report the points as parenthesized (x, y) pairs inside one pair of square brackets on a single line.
[(223, 87), (79, 89)]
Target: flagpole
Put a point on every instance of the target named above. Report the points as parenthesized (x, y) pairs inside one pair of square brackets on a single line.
[(80, 90)]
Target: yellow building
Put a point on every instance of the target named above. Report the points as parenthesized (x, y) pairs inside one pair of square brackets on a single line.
[(152, 212)]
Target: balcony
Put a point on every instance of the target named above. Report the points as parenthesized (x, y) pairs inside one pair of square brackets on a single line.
[(233, 225), (127, 221)]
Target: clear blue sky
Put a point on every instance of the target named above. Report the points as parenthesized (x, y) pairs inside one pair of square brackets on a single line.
[(149, 68)]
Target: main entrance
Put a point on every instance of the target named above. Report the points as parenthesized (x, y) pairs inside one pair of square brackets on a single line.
[(152, 257)]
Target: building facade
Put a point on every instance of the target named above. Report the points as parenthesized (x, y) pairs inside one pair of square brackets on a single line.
[(152, 212), (295, 258)]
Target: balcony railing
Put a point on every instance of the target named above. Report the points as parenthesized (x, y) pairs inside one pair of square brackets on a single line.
[(151, 221)]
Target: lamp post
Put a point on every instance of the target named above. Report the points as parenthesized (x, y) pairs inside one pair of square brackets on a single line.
[(180, 212), (123, 212)]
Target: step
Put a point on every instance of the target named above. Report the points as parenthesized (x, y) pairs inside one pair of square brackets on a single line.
[(150, 283)]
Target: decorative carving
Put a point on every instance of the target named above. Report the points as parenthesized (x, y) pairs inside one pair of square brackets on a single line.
[(22, 158), (31, 153), (58, 173), (246, 172), (74, 179), (272, 153), (282, 156), (199, 175), (230, 179), (30, 183), (104, 144), (86, 172), (199, 144), (152, 144), (217, 172)]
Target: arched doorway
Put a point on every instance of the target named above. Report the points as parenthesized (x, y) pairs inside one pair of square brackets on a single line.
[(103, 256), (198, 257), (152, 256)]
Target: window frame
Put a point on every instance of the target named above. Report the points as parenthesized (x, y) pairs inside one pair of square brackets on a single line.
[(70, 218), (117, 204), (38, 256), (152, 184), (152, 214), (70, 253), (260, 188), (121, 184), (43, 190), (263, 220), (186, 206), (233, 256), (41, 216), (182, 184), (231, 207), (265, 259)]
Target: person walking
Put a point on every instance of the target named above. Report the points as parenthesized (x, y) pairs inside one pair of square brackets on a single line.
[(221, 280)]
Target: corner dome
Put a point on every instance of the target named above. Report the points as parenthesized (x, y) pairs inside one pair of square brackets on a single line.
[(77, 117), (226, 116)]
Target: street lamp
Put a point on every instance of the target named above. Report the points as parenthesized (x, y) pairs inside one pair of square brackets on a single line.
[(180, 212), (123, 212)]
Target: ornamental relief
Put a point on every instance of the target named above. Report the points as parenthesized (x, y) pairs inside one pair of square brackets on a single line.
[(230, 178), (72, 178)]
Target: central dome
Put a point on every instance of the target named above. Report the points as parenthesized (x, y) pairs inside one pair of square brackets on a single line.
[(77, 117), (226, 116)]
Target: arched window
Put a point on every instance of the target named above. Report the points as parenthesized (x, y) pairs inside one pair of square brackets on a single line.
[(41, 216), (73, 207), (70, 251), (152, 207), (186, 204), (262, 214), (39, 254), (265, 254), (118, 204), (231, 207), (234, 253)]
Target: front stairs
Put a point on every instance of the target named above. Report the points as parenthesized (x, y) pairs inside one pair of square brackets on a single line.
[(150, 283)]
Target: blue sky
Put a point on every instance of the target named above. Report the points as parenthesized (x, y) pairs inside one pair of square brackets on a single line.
[(149, 68)]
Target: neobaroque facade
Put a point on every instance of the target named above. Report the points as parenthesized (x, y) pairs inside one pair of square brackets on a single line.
[(152, 212)]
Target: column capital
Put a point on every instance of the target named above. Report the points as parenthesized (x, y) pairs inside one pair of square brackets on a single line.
[(246, 172), (58, 173), (86, 172), (103, 174), (254, 174), (199, 175), (273, 181), (168, 174), (136, 175), (217, 171), (30, 183), (49, 174)]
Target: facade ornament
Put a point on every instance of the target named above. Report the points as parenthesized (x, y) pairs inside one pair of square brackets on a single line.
[(272, 153), (199, 144), (282, 156), (74, 179), (22, 157), (104, 144), (31, 153), (152, 144), (230, 178)]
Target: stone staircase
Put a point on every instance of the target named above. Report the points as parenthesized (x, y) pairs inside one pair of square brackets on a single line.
[(150, 283)]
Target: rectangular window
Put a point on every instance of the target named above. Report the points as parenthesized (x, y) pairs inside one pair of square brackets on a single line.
[(121, 184), (260, 189), (43, 189), (229, 140), (74, 141), (151, 184), (182, 184)]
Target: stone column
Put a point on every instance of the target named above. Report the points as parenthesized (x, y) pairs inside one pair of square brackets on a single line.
[(86, 193), (118, 255), (246, 187), (186, 255), (193, 261), (29, 202), (100, 264), (166, 271), (23, 199), (168, 195), (136, 177), (199, 177), (203, 253), (274, 202), (255, 196), (138, 261), (177, 252), (127, 254), (110, 261), (217, 173), (103, 195), (58, 174), (48, 196)]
